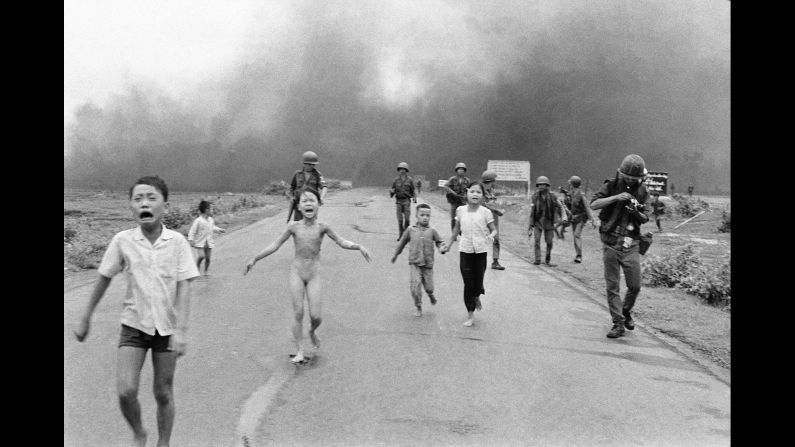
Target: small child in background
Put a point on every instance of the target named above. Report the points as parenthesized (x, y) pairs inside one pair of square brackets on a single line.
[(200, 235), (421, 239)]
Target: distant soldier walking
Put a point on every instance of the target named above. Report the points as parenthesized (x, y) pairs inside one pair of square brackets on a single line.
[(403, 192), (623, 204), (456, 189), (658, 209), (306, 177), (488, 178), (580, 214), (545, 213)]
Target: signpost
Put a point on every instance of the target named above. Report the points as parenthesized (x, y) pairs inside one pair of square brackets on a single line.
[(657, 182), (511, 171)]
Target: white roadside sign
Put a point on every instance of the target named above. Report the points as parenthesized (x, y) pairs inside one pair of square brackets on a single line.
[(442, 182), (511, 171)]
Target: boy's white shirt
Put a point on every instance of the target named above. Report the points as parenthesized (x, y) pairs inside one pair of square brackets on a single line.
[(201, 232), (152, 272)]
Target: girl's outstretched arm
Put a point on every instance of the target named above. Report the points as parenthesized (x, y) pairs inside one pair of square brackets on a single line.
[(271, 248), (348, 245)]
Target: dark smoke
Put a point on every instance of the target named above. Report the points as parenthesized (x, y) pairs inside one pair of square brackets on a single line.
[(573, 96)]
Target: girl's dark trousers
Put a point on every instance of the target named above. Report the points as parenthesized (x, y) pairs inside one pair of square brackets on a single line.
[(473, 268)]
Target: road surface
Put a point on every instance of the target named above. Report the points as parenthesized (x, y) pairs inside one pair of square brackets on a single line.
[(536, 369)]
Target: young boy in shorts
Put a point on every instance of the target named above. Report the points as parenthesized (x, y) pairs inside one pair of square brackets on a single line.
[(304, 279), (421, 239), (200, 235), (158, 265)]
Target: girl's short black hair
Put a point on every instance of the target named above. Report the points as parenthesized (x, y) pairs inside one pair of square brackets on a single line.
[(310, 189), (478, 183), (154, 181), (203, 206)]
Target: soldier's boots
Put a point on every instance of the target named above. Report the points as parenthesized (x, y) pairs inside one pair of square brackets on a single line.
[(616, 331)]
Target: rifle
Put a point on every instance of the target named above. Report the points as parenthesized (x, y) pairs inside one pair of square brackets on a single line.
[(292, 209), (494, 209)]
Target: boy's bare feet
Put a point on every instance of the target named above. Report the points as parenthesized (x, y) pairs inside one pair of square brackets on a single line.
[(140, 439), (469, 323), (298, 357), (315, 340), (418, 312)]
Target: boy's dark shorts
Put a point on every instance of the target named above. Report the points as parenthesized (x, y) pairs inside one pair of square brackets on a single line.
[(137, 339)]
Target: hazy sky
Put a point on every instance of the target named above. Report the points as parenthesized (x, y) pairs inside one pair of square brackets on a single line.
[(180, 45), (619, 74)]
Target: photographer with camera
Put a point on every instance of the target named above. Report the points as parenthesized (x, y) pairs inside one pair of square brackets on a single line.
[(456, 190), (623, 205)]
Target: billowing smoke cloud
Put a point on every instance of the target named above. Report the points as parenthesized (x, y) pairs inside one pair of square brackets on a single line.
[(570, 86)]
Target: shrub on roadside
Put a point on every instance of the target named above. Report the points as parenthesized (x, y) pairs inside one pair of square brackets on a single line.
[(684, 270), (175, 217), (689, 206), (276, 188), (85, 251), (670, 269), (713, 283), (69, 233), (726, 222)]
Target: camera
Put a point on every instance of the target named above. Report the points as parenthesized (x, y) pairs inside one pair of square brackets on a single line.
[(634, 205)]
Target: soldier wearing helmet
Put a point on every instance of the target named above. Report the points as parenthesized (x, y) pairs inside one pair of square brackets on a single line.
[(306, 177), (403, 191), (580, 214), (623, 205), (490, 201), (546, 212), (456, 189)]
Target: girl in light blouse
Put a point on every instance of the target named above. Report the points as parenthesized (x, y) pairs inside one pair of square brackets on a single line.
[(475, 223)]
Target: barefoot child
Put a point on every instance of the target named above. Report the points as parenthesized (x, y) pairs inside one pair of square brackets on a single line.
[(200, 235), (476, 225), (421, 239), (159, 267), (304, 276)]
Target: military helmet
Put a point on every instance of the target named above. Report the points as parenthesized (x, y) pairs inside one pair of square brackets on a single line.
[(542, 180), (309, 157), (633, 166), (460, 165), (403, 165), (488, 176), (575, 181)]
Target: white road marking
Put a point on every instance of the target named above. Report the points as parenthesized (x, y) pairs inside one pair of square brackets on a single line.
[(257, 405)]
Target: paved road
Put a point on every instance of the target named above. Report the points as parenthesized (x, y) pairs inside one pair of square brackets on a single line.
[(536, 369)]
